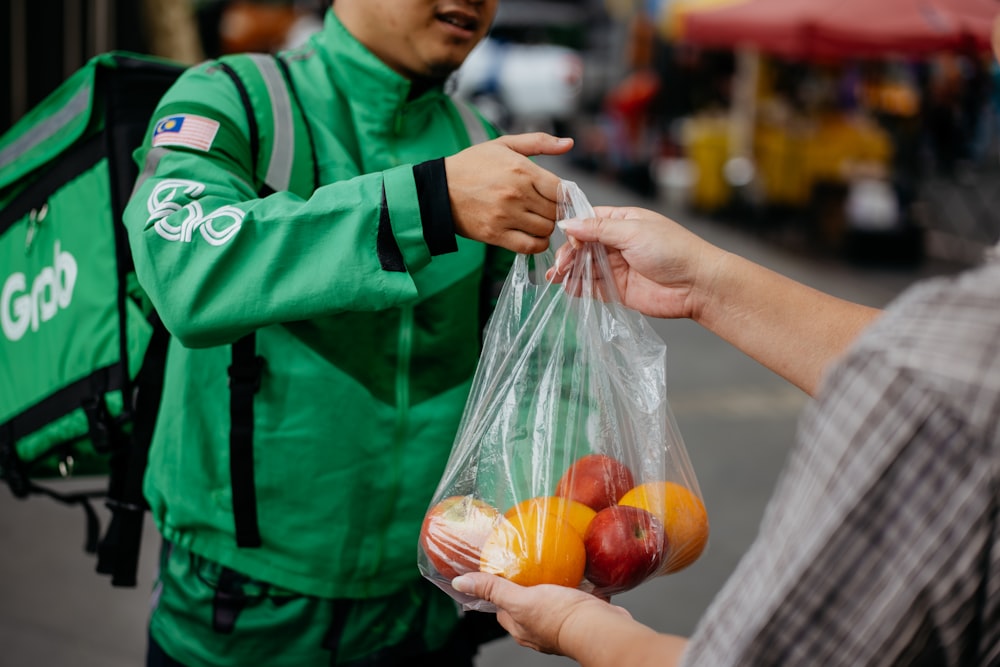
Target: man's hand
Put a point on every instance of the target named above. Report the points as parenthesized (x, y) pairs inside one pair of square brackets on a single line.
[(499, 196)]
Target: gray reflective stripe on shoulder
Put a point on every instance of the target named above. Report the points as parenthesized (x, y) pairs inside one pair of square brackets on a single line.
[(77, 104), (279, 168), (149, 166), (473, 124)]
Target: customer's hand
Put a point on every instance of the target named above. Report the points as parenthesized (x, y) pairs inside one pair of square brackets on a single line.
[(539, 617), (658, 265), (499, 196)]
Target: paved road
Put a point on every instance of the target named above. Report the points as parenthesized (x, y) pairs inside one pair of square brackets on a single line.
[(737, 420)]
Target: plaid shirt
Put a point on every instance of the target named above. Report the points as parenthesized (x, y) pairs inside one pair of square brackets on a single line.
[(880, 544)]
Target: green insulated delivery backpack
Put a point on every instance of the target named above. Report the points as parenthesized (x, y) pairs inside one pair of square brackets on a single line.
[(81, 350), (75, 330)]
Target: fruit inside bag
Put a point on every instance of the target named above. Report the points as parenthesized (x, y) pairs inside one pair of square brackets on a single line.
[(568, 467)]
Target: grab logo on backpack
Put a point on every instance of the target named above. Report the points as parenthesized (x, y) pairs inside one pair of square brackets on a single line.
[(51, 290), (162, 203)]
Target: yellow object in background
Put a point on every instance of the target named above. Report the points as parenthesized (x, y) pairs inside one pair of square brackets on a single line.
[(839, 141), (779, 156), (706, 144), (790, 161)]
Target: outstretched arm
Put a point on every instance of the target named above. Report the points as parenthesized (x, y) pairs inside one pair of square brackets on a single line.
[(792, 329), (664, 270)]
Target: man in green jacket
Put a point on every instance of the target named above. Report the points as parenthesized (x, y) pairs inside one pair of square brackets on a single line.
[(324, 265)]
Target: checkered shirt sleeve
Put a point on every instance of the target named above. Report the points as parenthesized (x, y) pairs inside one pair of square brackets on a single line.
[(880, 545)]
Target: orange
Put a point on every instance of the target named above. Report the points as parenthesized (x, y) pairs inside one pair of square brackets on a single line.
[(576, 513), (683, 515), (535, 548)]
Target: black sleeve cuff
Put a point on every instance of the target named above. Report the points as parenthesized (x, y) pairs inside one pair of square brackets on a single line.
[(435, 206)]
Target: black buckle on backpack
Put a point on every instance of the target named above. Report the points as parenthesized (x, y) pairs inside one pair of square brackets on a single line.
[(247, 374), (12, 467), (124, 507), (229, 601), (101, 426)]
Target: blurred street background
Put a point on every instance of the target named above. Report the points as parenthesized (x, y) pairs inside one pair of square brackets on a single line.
[(817, 122), (854, 159)]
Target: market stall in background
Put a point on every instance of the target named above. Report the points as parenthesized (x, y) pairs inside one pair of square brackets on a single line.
[(858, 123)]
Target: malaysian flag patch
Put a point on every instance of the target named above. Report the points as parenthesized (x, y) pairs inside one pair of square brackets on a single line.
[(185, 130)]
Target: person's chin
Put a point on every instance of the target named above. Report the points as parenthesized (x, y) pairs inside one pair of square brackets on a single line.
[(442, 68)]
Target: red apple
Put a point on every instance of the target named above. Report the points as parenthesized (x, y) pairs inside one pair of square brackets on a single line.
[(453, 533), (625, 545), (596, 480)]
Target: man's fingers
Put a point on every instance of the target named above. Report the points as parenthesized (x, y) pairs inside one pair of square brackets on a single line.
[(547, 191), (536, 143), (525, 244), (535, 223)]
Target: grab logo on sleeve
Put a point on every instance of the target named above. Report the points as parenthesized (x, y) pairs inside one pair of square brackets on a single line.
[(217, 227), (24, 306)]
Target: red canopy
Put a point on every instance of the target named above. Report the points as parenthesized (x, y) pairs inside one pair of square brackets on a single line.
[(843, 28)]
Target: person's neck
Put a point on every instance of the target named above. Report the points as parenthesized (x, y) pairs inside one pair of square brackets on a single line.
[(420, 85)]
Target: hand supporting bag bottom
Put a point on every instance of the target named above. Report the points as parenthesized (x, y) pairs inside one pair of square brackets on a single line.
[(568, 467)]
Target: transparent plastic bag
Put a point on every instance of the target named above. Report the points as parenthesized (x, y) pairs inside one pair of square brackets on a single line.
[(568, 466)]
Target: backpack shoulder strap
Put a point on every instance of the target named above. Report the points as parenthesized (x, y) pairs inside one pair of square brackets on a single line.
[(497, 261), (280, 137), (246, 365), (475, 125)]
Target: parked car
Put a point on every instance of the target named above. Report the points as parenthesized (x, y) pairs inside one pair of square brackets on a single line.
[(522, 87)]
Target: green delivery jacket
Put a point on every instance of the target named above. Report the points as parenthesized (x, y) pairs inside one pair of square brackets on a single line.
[(369, 353)]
